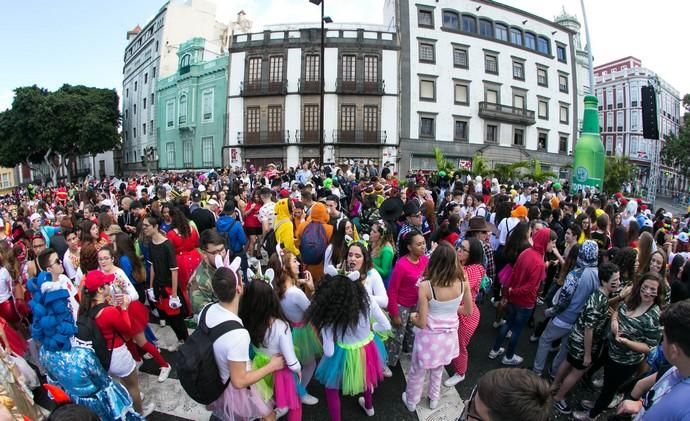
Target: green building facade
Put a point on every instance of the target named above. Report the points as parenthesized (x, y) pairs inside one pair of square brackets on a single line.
[(191, 109)]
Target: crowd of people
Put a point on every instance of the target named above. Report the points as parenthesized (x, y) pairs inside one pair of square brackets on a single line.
[(326, 277)]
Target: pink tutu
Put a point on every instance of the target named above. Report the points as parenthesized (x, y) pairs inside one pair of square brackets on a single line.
[(240, 405), (285, 390)]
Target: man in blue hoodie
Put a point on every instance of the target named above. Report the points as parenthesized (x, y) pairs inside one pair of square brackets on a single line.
[(229, 226), (579, 284)]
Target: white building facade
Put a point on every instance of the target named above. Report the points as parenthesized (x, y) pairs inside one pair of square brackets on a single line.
[(274, 96), (150, 54), (618, 86), (482, 77)]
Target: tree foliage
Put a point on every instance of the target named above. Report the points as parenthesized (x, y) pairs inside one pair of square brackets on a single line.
[(617, 171), (442, 164), (536, 174), (506, 172), (676, 150), (58, 126)]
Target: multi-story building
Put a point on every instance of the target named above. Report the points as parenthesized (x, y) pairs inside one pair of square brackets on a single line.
[(190, 103), (618, 87), (150, 54), (274, 95), (8, 179), (481, 77)]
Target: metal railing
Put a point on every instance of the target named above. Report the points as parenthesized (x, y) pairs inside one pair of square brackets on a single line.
[(263, 88), (360, 87), (506, 113), (263, 137), (309, 86), (359, 137), (309, 137)]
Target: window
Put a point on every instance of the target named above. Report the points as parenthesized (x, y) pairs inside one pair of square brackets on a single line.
[(619, 97), (310, 118), (491, 63), (562, 144), (563, 83), (207, 105), (275, 69), (143, 129), (518, 137), (543, 45), (634, 94), (426, 52), (600, 99), (371, 118), (253, 114), (501, 32), (491, 133), (609, 98), (619, 145), (486, 28), (347, 118), (460, 57), (542, 77), (349, 72), (183, 109), (371, 68), (609, 145), (153, 72), (170, 113), (469, 24), (609, 121), (543, 109), (146, 78), (134, 107), (519, 101), (462, 93), (184, 61), (460, 131), (152, 100), (144, 103), (135, 86), (518, 70), (311, 68), (5, 181), (426, 127), (620, 121), (491, 95), (542, 141), (515, 36), (560, 53), (451, 20), (151, 125), (126, 113), (275, 119), (127, 93), (187, 154), (254, 70), (564, 114), (425, 18), (170, 151), (634, 120), (530, 41), (207, 151), (134, 132), (427, 90)]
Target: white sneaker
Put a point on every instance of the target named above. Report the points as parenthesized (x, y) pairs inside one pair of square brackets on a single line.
[(147, 409), (493, 354), (387, 372), (453, 380), (161, 322), (534, 338), (369, 412), (309, 399), (509, 334), (616, 400), (281, 412), (499, 323), (516, 360), (165, 372), (433, 404), (410, 407)]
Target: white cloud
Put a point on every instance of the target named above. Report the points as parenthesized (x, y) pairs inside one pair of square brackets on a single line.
[(6, 100)]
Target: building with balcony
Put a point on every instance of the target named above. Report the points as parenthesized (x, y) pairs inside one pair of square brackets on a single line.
[(274, 95), (478, 76), (618, 86), (151, 53), (191, 109)]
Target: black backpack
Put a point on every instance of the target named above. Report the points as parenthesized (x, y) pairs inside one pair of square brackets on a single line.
[(270, 241), (89, 334), (197, 370)]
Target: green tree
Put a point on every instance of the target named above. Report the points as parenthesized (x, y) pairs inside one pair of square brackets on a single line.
[(506, 172), (618, 170), (480, 167), (536, 174), (54, 127), (442, 164), (675, 152)]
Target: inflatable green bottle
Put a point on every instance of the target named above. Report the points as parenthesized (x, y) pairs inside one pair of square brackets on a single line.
[(589, 159)]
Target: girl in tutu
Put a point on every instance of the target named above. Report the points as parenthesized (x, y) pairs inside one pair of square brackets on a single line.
[(270, 335), (294, 303), (138, 313), (342, 310)]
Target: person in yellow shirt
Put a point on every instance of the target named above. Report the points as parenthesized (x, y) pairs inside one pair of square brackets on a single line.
[(283, 227)]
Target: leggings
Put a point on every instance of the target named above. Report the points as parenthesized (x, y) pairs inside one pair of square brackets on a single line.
[(615, 375), (333, 401)]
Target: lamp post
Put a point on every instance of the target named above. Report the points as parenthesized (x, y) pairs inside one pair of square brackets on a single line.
[(324, 20)]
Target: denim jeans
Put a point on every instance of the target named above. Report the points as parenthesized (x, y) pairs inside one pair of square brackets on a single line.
[(551, 333), (516, 319)]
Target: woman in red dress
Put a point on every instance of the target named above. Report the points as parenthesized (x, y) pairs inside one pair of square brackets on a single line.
[(185, 240)]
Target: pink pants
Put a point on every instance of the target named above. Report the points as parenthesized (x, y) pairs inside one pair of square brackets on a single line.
[(468, 324), (415, 383)]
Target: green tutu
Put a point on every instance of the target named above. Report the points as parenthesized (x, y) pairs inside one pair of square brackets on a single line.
[(307, 343)]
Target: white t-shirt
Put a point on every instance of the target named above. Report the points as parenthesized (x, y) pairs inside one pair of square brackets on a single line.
[(374, 286), (71, 270), (267, 213), (5, 285), (294, 304), (278, 340), (505, 227), (233, 346)]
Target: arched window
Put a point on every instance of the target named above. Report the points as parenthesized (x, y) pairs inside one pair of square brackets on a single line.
[(530, 41), (543, 45), (185, 60), (469, 24), (515, 36), (501, 31), (183, 109), (451, 20), (486, 28)]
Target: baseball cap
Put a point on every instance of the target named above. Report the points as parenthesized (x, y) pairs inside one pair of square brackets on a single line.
[(213, 202), (520, 211), (96, 279), (34, 217), (683, 237), (284, 193)]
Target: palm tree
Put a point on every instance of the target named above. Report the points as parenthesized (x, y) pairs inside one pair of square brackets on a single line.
[(480, 167), (505, 172), (441, 163), (536, 174)]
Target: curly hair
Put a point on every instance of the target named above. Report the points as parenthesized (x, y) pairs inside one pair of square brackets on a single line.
[(625, 259), (338, 303), (259, 308), (179, 222)]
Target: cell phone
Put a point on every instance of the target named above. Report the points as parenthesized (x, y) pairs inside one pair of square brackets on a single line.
[(301, 274)]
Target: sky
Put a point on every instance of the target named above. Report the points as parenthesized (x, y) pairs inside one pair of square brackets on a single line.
[(82, 41)]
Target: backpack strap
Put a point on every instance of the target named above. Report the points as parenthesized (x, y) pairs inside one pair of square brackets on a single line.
[(219, 330)]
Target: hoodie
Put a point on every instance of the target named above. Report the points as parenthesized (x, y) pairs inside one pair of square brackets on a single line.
[(579, 284), (318, 213), (284, 230), (529, 271), (232, 229)]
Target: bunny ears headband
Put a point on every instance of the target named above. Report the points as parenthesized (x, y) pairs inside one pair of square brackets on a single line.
[(235, 265), (333, 271)]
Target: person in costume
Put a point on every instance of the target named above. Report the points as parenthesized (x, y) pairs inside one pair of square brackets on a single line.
[(184, 238), (382, 249), (270, 335), (294, 303), (138, 313), (342, 311)]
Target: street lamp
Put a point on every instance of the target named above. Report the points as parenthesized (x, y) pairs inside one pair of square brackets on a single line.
[(324, 20)]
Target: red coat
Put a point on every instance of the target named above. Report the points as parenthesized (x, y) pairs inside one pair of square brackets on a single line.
[(528, 272)]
